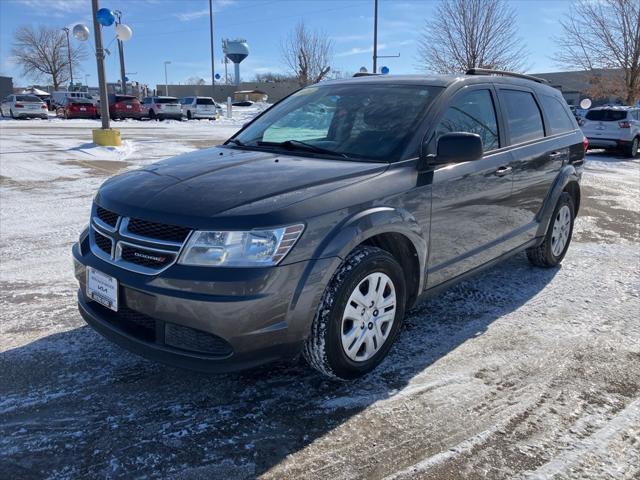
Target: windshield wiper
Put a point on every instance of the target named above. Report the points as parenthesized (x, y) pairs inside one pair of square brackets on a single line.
[(236, 142), (298, 145)]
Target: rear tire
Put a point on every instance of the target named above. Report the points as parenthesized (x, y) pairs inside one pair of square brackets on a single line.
[(152, 115), (188, 114), (11, 114), (634, 149), (558, 237), (349, 339)]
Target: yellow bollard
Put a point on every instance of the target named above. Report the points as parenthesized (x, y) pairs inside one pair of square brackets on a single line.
[(107, 137)]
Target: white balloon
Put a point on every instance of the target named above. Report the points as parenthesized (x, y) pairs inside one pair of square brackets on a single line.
[(585, 103), (123, 32), (81, 32)]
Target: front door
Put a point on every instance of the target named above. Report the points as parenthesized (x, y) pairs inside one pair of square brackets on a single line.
[(471, 218)]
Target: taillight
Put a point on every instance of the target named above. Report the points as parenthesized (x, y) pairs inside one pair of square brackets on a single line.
[(19, 105), (44, 105), (585, 143), (159, 106), (624, 124)]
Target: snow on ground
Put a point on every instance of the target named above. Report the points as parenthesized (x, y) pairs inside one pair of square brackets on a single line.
[(518, 373)]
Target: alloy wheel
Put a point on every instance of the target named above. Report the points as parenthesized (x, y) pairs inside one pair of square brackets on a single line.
[(561, 230), (368, 317)]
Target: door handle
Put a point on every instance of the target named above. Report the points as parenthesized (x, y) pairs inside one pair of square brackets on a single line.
[(502, 171), (553, 155)]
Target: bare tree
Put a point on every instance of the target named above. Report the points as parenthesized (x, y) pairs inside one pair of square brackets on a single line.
[(42, 53), (464, 34), (604, 34), (308, 54), (195, 81), (274, 77)]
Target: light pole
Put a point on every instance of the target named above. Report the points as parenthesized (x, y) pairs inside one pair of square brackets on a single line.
[(213, 79), (66, 30), (102, 78), (375, 36), (166, 82), (118, 15), (86, 79)]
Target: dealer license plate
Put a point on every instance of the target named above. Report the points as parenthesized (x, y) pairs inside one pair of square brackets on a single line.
[(83, 109), (102, 288)]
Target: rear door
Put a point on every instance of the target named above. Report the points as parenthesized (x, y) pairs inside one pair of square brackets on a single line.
[(471, 218), (539, 149)]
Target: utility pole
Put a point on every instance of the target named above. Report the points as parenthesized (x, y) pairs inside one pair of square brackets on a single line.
[(102, 79), (213, 78), (166, 82), (375, 36), (66, 30), (123, 81)]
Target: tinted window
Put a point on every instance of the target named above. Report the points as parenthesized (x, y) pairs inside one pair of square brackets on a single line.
[(166, 100), (204, 101), (371, 122), (472, 112), (559, 119), (606, 115), (523, 116)]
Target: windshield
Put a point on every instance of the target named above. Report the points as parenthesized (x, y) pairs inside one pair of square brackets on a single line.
[(81, 101), (606, 115), (27, 98), (356, 121), (204, 101), (166, 100)]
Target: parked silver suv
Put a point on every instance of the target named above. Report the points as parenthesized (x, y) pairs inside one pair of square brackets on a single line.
[(199, 107), (161, 107), (613, 128)]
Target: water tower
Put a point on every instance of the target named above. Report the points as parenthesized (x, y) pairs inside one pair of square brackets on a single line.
[(236, 51)]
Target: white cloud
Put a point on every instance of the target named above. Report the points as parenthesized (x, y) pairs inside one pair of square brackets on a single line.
[(56, 8), (217, 6), (359, 50)]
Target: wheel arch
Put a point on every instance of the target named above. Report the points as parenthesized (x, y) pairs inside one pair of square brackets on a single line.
[(567, 180)]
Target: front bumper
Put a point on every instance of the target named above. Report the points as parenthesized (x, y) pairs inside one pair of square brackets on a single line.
[(215, 321)]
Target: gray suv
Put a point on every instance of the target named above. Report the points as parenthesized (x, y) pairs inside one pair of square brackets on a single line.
[(317, 225)]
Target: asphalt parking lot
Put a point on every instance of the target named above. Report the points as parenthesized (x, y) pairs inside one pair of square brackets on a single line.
[(517, 373)]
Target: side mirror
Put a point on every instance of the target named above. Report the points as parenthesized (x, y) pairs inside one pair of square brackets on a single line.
[(458, 147)]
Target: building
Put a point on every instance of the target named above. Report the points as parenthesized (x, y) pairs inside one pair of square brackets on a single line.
[(6, 86), (578, 85)]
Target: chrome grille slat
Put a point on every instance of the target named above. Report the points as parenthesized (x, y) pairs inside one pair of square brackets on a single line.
[(131, 251)]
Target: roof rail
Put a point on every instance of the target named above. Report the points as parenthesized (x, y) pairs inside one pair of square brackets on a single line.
[(365, 74), (487, 71)]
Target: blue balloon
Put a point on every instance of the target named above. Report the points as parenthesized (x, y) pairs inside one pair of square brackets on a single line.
[(105, 17), (217, 76), (384, 70), (126, 79)]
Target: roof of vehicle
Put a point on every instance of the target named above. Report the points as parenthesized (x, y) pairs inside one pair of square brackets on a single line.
[(615, 107), (163, 96), (441, 80)]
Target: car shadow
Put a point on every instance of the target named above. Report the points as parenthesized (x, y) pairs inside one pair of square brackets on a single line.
[(74, 405)]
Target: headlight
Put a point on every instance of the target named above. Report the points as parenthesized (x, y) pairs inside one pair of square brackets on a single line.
[(253, 248)]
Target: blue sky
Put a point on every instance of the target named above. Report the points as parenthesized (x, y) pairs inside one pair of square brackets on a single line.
[(178, 30)]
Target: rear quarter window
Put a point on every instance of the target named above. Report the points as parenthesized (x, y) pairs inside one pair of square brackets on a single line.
[(557, 115), (522, 115)]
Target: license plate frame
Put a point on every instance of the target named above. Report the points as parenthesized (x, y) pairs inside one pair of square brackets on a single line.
[(102, 288)]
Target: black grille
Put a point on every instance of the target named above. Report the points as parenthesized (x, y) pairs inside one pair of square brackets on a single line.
[(106, 216), (186, 338), (129, 321), (146, 258), (103, 243), (158, 231)]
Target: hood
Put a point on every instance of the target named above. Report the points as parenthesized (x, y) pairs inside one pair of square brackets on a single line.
[(192, 188)]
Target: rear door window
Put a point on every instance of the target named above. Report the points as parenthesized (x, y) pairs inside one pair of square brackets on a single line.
[(522, 115), (559, 119), (472, 112)]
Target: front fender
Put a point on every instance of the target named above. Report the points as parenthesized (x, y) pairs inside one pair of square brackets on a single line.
[(567, 174)]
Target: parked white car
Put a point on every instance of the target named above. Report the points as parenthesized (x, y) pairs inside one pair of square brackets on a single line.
[(159, 108), (613, 128), (23, 106), (199, 107)]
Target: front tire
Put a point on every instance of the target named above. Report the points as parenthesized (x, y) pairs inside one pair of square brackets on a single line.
[(188, 114), (359, 316), (152, 115), (558, 237), (11, 114)]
